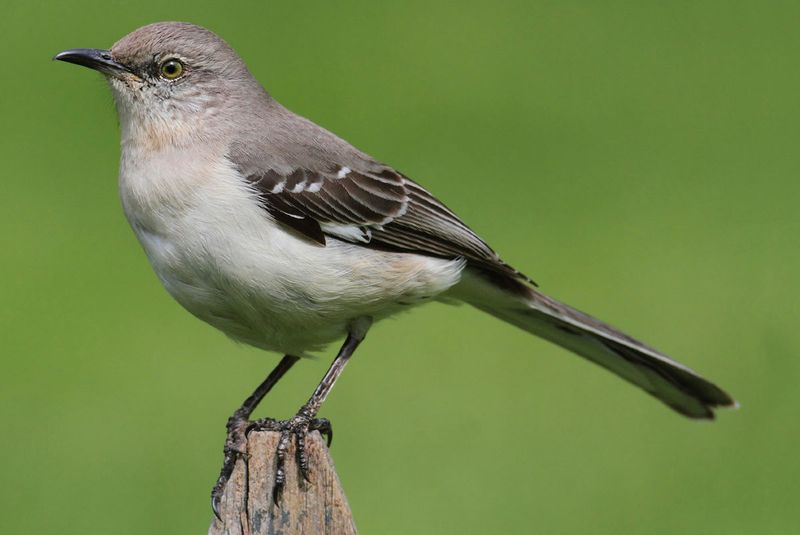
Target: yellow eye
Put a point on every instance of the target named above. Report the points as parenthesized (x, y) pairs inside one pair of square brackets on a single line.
[(171, 69)]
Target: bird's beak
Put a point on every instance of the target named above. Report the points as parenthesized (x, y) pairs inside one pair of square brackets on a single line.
[(99, 60)]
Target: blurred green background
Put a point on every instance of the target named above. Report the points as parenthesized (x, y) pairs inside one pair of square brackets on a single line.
[(638, 159)]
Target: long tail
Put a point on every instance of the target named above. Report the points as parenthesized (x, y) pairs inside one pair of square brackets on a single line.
[(669, 381)]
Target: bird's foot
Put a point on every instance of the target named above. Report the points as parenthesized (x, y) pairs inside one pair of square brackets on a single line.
[(298, 428), (235, 449)]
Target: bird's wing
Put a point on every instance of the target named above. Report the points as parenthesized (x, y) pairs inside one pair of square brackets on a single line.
[(374, 206)]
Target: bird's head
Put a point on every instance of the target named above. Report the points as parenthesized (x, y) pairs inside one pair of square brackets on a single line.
[(170, 80)]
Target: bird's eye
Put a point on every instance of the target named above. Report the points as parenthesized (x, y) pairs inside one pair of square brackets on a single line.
[(171, 69)]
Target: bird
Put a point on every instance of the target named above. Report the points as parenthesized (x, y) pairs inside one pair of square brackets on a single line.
[(286, 237)]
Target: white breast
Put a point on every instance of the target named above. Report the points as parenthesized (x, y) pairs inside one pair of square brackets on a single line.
[(221, 256)]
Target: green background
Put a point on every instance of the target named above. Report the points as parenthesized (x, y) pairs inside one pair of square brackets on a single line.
[(638, 159)]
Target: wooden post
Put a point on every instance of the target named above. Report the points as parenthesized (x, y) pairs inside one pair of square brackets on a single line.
[(318, 507)]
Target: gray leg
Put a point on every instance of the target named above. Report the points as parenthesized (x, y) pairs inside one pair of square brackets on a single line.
[(238, 423), (305, 421)]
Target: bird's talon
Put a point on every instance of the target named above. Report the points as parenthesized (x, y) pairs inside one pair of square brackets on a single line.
[(323, 425), (235, 449), (298, 428), (215, 503)]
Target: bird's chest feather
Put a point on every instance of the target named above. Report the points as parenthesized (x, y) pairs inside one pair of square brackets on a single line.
[(214, 249)]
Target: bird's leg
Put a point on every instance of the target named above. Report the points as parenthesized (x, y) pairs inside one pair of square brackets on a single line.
[(236, 440), (305, 420)]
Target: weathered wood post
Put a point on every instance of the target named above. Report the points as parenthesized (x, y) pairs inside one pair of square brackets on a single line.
[(317, 507)]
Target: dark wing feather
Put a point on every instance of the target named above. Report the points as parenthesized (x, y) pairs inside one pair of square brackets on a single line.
[(378, 208)]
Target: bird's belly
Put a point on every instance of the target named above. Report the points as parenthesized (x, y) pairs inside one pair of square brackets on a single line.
[(267, 311), (280, 293)]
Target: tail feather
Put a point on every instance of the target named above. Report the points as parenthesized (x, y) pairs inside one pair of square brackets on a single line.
[(671, 382)]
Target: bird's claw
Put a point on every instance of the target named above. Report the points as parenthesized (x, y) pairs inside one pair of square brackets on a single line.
[(298, 427), (235, 449)]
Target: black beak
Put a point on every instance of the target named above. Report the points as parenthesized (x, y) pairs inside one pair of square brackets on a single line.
[(99, 60)]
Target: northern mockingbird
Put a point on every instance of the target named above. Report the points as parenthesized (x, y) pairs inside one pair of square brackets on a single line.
[(286, 237)]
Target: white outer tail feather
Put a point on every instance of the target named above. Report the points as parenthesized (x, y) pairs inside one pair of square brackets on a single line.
[(672, 383)]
